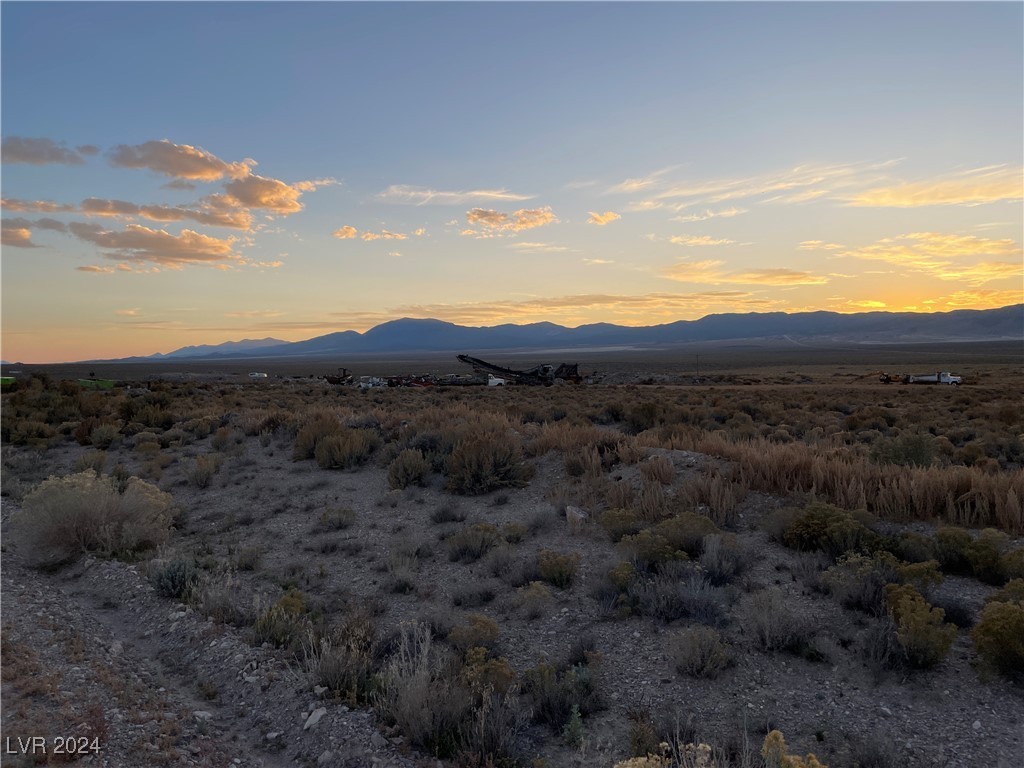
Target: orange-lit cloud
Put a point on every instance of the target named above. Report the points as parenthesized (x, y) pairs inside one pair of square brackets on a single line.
[(776, 277), (413, 195), (631, 186), (527, 247), (973, 187), (34, 206), (19, 149), (256, 313), (178, 160), (137, 244), (699, 240), (269, 194), (976, 299), (13, 235), (820, 245), (236, 218), (710, 272), (383, 235), (601, 219), (496, 222), (936, 253), (726, 213), (346, 233)]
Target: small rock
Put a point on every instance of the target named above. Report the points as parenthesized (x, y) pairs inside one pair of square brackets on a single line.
[(976, 725), (325, 757), (378, 741), (320, 690), (202, 715), (314, 718), (272, 735), (886, 711)]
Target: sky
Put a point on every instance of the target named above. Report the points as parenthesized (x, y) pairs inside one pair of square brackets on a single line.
[(194, 173)]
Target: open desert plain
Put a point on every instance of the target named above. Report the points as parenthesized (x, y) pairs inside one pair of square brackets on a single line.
[(203, 569), (511, 384)]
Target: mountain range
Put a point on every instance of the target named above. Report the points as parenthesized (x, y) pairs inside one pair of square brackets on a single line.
[(426, 335)]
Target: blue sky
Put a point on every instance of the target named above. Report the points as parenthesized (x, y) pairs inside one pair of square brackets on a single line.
[(335, 165)]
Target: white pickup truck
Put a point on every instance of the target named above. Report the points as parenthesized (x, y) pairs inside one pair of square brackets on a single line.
[(941, 377)]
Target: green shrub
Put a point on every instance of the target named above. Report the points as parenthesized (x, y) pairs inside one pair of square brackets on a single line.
[(859, 581), (345, 448), (104, 436), (93, 460), (345, 660), (906, 450), (174, 579), (999, 637), (282, 624), (336, 519), (557, 569), (408, 468), (1012, 592), (648, 549), (619, 523), (66, 516), (1012, 564), (472, 543), (478, 631), (554, 693), (919, 627), (201, 471), (485, 463), (830, 529), (685, 532), (951, 547), (699, 652), (312, 432)]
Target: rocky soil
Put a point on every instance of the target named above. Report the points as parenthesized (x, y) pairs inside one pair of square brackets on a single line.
[(93, 651)]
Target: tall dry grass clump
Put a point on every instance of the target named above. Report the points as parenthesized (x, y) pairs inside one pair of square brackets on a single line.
[(67, 516), (968, 496)]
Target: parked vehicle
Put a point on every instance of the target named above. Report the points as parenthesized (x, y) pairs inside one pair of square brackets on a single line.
[(939, 377)]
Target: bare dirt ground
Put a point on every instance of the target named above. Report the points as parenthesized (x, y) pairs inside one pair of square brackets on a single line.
[(92, 650)]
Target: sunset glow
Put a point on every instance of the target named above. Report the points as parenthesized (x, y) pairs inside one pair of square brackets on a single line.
[(195, 173)]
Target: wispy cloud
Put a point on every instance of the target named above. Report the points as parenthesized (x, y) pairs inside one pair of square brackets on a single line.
[(601, 219), (180, 161), (699, 240), (710, 272), (820, 245), (571, 309), (725, 213), (256, 313), (639, 184), (133, 312), (597, 262), (413, 195), (944, 256), (992, 184), (236, 218), (978, 298), (31, 151), (527, 247), (34, 206)]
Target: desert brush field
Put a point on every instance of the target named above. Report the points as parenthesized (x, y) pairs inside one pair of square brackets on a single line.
[(777, 566)]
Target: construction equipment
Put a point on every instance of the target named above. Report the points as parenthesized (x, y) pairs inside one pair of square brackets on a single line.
[(541, 374), (344, 377)]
